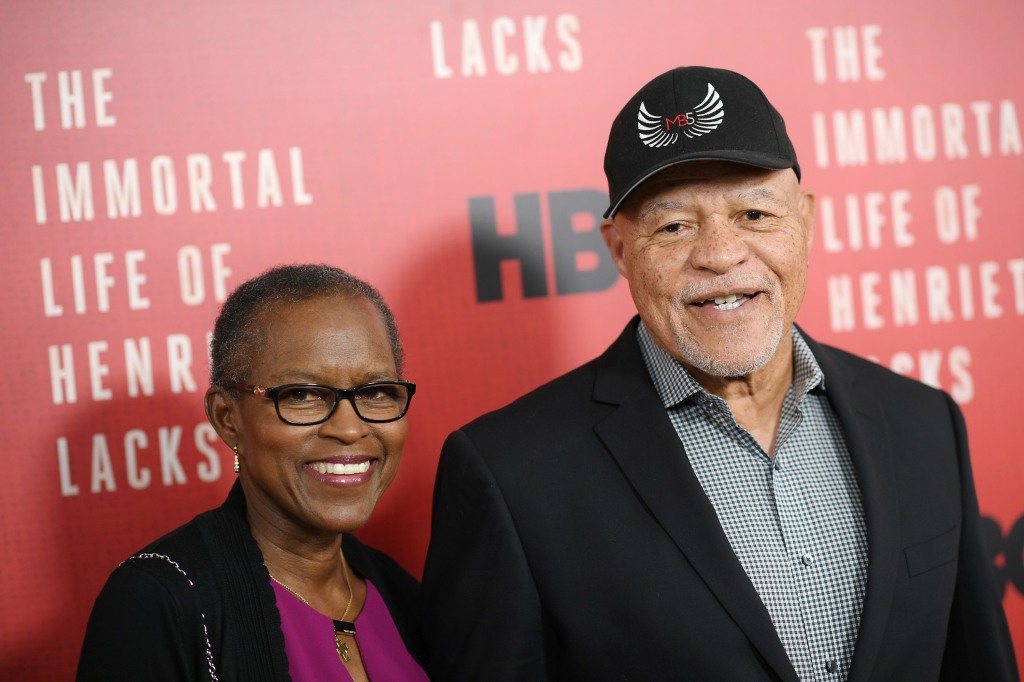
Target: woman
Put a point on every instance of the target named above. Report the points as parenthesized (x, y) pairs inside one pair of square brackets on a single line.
[(305, 371)]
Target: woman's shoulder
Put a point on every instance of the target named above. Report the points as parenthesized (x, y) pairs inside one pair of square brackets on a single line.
[(196, 544), (165, 573), (171, 572), (182, 547), (146, 614)]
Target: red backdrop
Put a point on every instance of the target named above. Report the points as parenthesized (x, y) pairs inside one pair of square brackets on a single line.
[(157, 154)]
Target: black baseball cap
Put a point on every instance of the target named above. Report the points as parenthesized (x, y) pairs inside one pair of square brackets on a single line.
[(693, 113)]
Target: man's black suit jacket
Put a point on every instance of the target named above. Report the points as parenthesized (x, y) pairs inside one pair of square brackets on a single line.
[(572, 541)]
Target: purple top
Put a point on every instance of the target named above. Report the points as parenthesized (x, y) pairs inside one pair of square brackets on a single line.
[(313, 655)]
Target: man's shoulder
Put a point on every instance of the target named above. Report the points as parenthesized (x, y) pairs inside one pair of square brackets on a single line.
[(573, 399), (553, 401), (841, 365)]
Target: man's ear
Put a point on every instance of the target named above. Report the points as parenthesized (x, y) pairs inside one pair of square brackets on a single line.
[(222, 411), (611, 232), (808, 210)]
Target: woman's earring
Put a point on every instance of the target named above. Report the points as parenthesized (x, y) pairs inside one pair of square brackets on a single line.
[(238, 467)]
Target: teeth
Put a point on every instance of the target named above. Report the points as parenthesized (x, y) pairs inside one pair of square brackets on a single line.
[(730, 302), (342, 469)]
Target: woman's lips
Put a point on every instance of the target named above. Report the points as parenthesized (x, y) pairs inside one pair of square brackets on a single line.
[(342, 471), (339, 468)]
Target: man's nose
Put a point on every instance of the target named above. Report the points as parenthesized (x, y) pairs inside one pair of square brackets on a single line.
[(719, 246)]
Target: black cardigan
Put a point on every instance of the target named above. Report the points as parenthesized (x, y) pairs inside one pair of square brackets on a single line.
[(197, 604)]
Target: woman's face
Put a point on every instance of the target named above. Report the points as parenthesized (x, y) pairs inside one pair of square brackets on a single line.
[(342, 342)]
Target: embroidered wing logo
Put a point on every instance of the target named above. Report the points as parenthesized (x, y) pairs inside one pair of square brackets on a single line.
[(661, 131)]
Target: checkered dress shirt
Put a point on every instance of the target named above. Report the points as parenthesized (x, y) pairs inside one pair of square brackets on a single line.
[(795, 520)]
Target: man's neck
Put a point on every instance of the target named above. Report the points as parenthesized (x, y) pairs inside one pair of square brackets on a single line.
[(756, 399)]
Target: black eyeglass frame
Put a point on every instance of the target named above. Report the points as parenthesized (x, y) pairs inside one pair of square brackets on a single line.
[(349, 394)]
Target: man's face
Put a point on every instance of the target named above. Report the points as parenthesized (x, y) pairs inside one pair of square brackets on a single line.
[(716, 258)]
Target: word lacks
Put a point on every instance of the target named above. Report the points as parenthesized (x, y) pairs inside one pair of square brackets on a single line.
[(514, 47), (136, 458), (581, 261)]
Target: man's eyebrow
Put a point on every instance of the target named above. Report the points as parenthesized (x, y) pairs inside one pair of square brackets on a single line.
[(658, 206), (757, 193)]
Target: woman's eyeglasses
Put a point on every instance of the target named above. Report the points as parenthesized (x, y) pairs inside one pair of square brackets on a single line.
[(377, 402)]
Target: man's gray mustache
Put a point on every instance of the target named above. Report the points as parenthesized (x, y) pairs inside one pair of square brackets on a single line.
[(700, 291)]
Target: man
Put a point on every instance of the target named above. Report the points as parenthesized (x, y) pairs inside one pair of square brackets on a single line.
[(717, 496)]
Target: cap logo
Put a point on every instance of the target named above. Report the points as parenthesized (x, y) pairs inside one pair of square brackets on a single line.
[(661, 131)]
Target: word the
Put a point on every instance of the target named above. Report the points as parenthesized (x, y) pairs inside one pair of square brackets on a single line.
[(71, 96), (853, 47)]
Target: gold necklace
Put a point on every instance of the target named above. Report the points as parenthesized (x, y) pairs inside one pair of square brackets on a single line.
[(341, 627)]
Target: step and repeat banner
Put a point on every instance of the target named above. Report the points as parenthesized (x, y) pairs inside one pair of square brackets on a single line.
[(155, 155)]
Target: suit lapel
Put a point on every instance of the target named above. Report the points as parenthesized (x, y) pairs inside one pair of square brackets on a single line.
[(865, 428), (640, 437)]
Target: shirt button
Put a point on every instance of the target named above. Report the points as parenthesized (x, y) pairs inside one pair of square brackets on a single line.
[(831, 666), (807, 560), (777, 464)]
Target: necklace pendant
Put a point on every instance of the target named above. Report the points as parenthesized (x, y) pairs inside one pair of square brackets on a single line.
[(343, 649)]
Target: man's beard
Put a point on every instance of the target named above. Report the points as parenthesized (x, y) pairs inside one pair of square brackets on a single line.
[(717, 365)]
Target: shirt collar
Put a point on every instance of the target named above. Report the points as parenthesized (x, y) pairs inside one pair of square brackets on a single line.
[(674, 384)]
